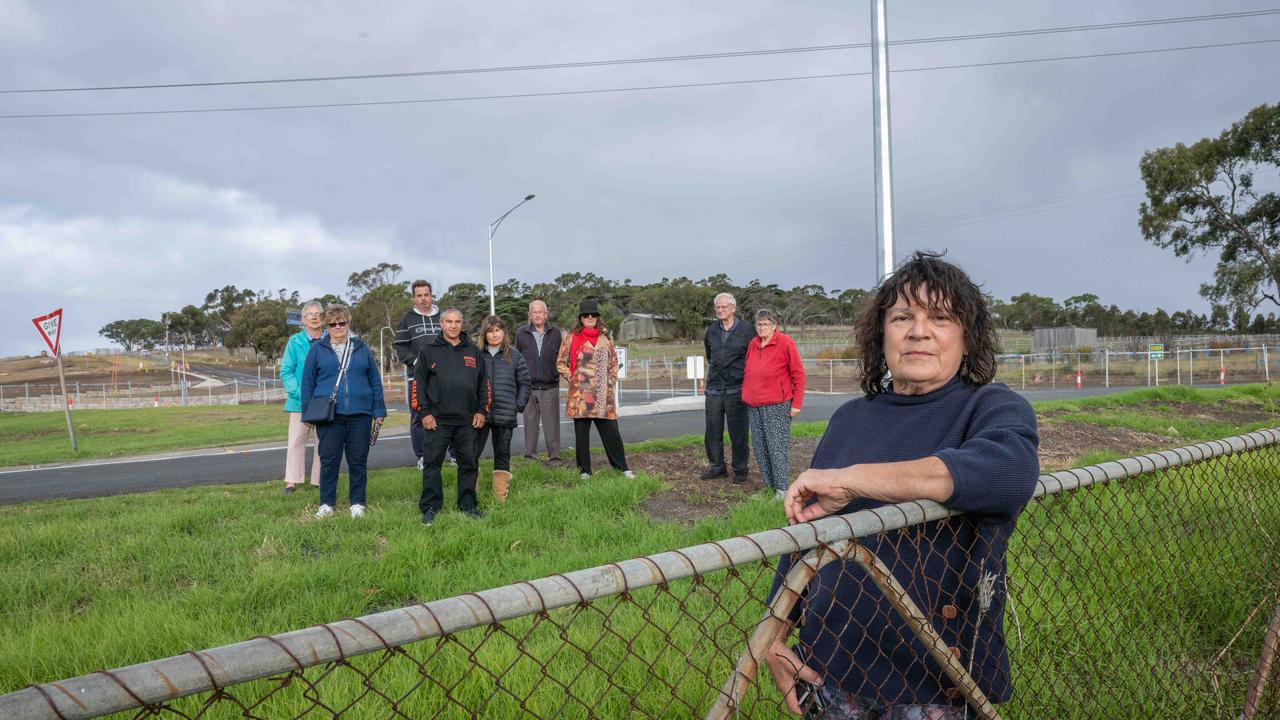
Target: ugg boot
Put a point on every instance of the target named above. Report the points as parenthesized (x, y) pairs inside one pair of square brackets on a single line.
[(501, 481)]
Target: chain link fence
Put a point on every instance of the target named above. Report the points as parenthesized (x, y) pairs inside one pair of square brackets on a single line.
[(1144, 587)]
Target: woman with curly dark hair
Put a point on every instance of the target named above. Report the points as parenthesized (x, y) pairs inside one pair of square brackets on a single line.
[(931, 426)]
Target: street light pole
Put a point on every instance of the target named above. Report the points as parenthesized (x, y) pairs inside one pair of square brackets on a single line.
[(493, 227), (881, 136)]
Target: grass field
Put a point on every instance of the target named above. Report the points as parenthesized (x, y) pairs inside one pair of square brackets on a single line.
[(33, 438), (112, 581)]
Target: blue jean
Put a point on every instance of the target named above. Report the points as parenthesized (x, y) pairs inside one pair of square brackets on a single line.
[(346, 435)]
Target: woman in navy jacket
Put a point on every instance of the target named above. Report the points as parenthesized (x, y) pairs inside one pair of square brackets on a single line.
[(359, 406), (932, 426)]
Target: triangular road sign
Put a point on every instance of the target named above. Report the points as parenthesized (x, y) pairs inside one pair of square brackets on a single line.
[(50, 328)]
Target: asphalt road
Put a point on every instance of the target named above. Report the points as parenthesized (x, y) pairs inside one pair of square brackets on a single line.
[(264, 463)]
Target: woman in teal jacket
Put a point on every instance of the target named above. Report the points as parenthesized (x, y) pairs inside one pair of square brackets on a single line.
[(295, 356)]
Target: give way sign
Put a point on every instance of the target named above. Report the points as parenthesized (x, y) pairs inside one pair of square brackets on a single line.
[(50, 327)]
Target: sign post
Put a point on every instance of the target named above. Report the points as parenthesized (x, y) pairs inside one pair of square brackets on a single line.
[(50, 328), (621, 352), (1156, 352)]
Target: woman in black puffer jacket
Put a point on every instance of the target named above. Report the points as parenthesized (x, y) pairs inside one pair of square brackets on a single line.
[(509, 388)]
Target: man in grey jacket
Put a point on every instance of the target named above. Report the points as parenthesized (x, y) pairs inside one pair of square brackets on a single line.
[(539, 343), (416, 330)]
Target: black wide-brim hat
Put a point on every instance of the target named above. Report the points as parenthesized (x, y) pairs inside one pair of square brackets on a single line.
[(588, 307)]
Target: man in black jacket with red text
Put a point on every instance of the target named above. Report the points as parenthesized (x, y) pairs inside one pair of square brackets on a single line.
[(452, 397)]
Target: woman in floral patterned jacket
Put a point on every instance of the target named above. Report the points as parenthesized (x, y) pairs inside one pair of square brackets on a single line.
[(588, 362)]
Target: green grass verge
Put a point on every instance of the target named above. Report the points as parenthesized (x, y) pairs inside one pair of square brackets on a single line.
[(1190, 414), (113, 581), (33, 438)]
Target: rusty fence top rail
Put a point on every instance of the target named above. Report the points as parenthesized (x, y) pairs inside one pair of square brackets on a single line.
[(105, 692)]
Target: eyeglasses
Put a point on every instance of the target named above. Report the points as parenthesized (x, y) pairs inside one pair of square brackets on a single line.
[(311, 316), (338, 324), (591, 315)]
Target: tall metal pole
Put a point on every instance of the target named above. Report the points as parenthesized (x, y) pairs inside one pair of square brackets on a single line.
[(883, 144), (493, 227)]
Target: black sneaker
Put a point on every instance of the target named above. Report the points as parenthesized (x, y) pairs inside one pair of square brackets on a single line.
[(473, 513), (428, 517), (712, 473), (739, 478), (288, 489)]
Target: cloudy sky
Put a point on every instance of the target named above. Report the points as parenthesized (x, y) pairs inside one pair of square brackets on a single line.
[(1026, 173)]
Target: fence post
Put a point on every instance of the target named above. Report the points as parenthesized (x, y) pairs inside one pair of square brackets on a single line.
[(1053, 369), (1148, 369), (1106, 367), (262, 391), (236, 382), (1191, 367), (1222, 367), (1177, 359), (1266, 363), (671, 376), (1022, 360), (26, 391), (831, 376)]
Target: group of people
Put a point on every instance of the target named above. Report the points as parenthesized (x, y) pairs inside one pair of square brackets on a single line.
[(463, 396), (930, 425)]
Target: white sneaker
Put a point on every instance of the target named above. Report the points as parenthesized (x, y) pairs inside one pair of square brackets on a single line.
[(628, 474), (422, 462), (324, 512), (779, 495), (357, 511), (584, 476)]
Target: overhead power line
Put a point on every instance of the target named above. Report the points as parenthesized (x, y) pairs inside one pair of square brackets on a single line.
[(639, 88), (663, 58), (1005, 212)]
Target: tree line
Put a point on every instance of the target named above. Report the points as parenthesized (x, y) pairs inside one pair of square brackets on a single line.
[(378, 296)]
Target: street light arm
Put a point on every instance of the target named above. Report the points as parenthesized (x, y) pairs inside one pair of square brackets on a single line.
[(493, 227)]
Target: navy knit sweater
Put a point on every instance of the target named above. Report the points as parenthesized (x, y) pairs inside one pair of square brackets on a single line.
[(849, 633)]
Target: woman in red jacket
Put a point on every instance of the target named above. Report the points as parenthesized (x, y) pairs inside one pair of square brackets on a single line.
[(773, 390)]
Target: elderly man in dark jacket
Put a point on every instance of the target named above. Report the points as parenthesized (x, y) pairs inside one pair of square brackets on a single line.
[(539, 343), (726, 348)]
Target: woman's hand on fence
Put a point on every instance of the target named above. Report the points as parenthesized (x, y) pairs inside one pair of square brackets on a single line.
[(815, 494), (786, 668)]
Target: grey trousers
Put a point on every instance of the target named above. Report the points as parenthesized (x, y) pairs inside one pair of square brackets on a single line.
[(544, 407)]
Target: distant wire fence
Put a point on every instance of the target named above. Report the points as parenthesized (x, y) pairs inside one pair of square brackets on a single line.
[(1144, 587), (42, 397), (657, 378), (667, 377)]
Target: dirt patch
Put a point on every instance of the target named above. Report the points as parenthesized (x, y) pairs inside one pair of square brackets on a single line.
[(690, 498), (1062, 444)]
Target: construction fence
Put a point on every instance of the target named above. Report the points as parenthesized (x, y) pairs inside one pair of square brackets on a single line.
[(1144, 587)]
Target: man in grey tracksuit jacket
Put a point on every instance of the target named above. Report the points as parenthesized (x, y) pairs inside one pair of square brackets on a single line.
[(416, 330)]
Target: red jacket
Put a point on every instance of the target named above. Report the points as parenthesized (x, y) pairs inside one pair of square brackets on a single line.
[(774, 373)]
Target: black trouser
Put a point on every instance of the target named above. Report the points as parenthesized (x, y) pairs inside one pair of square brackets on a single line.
[(501, 445), (417, 434), (718, 408), (436, 442), (609, 437), (349, 435)]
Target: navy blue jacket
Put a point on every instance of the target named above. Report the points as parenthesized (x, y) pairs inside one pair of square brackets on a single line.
[(361, 390), (508, 387), (850, 634)]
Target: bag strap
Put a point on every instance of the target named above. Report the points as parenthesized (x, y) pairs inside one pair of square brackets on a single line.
[(342, 370)]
